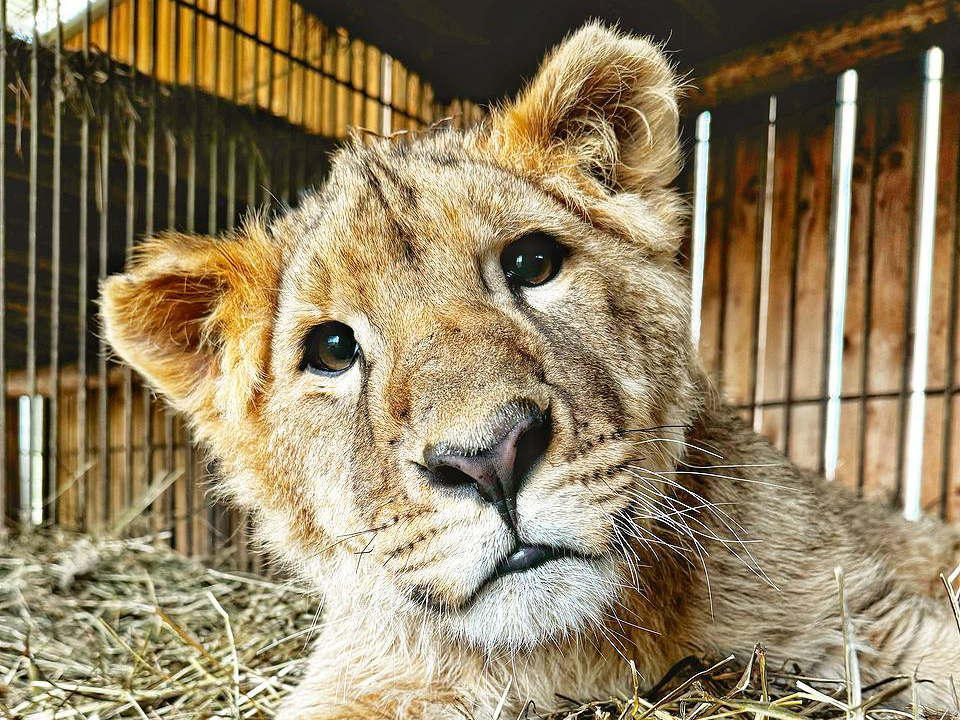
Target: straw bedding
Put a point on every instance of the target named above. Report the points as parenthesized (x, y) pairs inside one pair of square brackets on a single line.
[(129, 629)]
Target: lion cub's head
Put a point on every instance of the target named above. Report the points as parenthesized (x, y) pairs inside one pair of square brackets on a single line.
[(446, 377)]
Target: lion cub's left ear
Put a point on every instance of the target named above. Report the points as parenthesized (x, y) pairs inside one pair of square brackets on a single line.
[(192, 315), (603, 106)]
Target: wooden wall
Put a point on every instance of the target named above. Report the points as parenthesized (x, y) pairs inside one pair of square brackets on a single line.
[(269, 54), (781, 384)]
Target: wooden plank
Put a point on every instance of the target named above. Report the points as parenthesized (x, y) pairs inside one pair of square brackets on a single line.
[(329, 93), (937, 480), (119, 486), (776, 358), (399, 77), (931, 474), (804, 445), (741, 257), (880, 453), (344, 100), (892, 230), (952, 513), (182, 500), (811, 293), (357, 82), (11, 510), (67, 469), (813, 239), (200, 535), (413, 100), (773, 426), (861, 216), (164, 50), (427, 108), (373, 108), (825, 50), (299, 97), (159, 470), (848, 449), (946, 228)]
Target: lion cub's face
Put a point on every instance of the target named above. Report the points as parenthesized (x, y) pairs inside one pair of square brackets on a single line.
[(447, 375)]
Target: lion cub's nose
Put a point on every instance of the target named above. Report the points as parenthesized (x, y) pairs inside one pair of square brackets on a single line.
[(499, 469)]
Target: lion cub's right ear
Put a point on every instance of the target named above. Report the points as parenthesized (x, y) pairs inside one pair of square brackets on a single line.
[(604, 105), (191, 314)]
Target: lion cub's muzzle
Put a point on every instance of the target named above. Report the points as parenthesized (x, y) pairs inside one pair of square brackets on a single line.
[(519, 434)]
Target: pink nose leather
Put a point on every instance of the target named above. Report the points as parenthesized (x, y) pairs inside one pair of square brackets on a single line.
[(499, 470)]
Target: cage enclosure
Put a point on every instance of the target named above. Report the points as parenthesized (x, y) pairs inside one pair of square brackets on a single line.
[(822, 171)]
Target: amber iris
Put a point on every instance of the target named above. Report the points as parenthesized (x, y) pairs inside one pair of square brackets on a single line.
[(532, 260)]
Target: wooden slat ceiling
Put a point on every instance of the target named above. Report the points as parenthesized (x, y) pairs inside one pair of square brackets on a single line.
[(483, 50)]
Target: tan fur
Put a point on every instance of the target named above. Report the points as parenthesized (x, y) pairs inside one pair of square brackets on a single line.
[(704, 539)]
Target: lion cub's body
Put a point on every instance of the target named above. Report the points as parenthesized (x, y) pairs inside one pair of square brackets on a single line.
[(673, 529)]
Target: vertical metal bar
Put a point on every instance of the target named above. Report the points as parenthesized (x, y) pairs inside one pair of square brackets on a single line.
[(103, 395), (168, 456), (231, 138), (150, 193), (763, 267), (54, 442), (191, 227), (28, 492), (925, 231), (701, 174), (131, 162), (83, 489), (103, 437), (213, 185), (844, 141), (170, 507), (4, 478), (214, 133)]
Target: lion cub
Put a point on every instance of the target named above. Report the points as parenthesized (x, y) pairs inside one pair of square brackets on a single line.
[(457, 389)]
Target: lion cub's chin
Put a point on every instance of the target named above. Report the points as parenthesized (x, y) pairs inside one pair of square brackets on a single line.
[(522, 610)]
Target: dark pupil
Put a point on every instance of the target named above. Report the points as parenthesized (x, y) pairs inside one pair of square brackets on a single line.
[(532, 266), (532, 260), (331, 347)]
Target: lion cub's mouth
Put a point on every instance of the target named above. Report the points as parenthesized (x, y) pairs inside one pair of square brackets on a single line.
[(524, 558)]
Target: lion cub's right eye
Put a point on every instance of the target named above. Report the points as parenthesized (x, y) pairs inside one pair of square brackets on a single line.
[(330, 348), (532, 260)]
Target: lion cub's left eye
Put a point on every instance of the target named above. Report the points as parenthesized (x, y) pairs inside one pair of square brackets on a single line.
[(330, 348), (532, 260)]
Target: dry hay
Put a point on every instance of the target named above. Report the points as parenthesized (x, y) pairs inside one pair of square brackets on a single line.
[(129, 629)]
